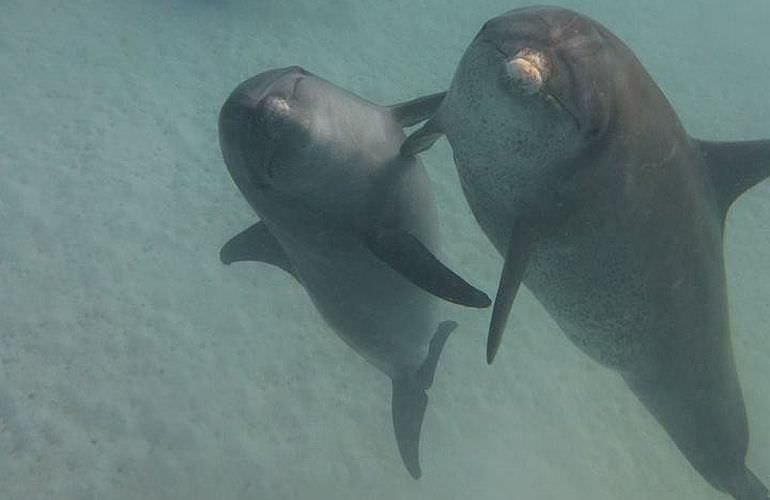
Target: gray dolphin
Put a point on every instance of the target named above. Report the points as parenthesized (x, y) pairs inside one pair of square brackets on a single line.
[(350, 219), (580, 173)]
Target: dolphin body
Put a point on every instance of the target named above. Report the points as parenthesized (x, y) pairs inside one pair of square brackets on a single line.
[(350, 219), (580, 173)]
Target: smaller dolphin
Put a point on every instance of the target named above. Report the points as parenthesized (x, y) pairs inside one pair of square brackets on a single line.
[(351, 219)]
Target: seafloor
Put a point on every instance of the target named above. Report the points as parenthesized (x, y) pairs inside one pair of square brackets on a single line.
[(134, 365)]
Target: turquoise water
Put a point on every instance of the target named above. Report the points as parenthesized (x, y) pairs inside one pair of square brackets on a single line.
[(133, 364)]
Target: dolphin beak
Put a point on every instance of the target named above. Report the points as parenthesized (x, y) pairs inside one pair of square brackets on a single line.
[(528, 71)]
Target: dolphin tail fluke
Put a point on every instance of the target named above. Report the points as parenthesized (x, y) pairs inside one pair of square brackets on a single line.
[(255, 244), (428, 369), (750, 488), (736, 166), (417, 110), (410, 400), (408, 406)]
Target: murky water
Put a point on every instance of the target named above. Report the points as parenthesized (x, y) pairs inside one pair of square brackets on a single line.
[(134, 364)]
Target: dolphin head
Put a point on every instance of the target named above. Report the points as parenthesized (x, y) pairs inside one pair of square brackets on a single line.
[(288, 136), (533, 90), (556, 57), (265, 125)]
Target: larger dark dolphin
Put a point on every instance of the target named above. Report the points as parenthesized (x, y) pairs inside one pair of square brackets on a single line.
[(580, 173), (350, 219)]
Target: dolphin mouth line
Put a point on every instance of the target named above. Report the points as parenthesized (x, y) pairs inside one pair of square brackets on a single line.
[(566, 109)]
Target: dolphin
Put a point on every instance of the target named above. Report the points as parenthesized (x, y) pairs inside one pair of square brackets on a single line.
[(348, 217), (580, 173)]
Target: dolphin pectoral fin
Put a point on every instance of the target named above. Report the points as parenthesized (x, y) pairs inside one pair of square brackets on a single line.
[(735, 166), (519, 249), (406, 255), (410, 401), (255, 244), (422, 139), (417, 110), (750, 488)]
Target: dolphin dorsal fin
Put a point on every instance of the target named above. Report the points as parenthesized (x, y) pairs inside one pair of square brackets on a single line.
[(417, 110), (735, 167)]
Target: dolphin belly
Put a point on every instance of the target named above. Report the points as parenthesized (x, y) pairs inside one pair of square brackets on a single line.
[(381, 315)]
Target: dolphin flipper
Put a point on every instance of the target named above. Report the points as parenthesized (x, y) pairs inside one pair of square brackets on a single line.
[(417, 110), (519, 248), (410, 400), (751, 488), (735, 166), (423, 138), (405, 254), (255, 244)]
